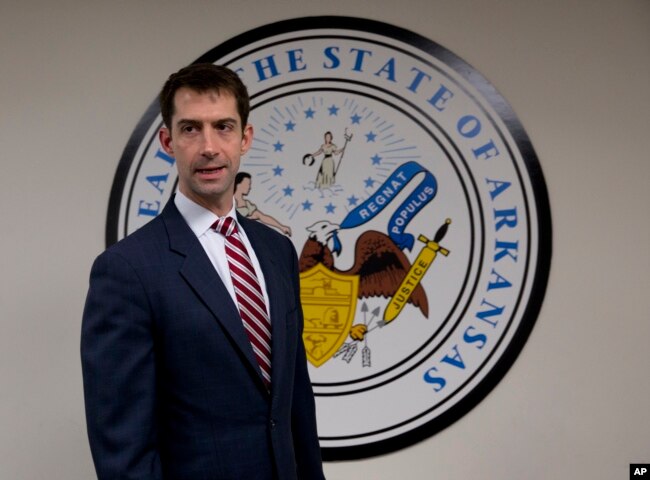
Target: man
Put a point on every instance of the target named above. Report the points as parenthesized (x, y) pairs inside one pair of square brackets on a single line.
[(181, 380)]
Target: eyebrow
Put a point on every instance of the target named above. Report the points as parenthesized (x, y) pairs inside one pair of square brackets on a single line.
[(220, 121)]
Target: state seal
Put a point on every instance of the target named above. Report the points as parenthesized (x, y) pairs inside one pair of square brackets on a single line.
[(415, 202)]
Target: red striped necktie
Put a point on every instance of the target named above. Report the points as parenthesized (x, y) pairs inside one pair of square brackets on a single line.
[(252, 307)]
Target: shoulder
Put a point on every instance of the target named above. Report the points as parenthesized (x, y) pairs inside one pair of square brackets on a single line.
[(139, 245), (257, 229), (254, 227)]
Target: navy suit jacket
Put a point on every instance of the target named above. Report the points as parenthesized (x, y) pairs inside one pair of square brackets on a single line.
[(171, 385)]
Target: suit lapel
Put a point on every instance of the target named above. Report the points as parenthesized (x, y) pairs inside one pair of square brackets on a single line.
[(198, 272)]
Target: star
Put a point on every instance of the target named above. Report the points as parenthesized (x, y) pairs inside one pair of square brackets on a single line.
[(288, 191), (309, 113), (369, 182), (329, 208), (277, 171), (334, 110), (277, 147), (306, 205), (289, 126), (370, 136), (376, 160), (353, 200), (355, 118)]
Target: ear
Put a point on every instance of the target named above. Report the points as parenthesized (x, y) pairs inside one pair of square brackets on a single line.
[(165, 138), (247, 138)]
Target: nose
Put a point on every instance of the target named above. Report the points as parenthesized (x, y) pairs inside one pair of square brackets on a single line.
[(210, 147)]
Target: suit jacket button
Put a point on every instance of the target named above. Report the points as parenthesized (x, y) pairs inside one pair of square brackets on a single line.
[(272, 422)]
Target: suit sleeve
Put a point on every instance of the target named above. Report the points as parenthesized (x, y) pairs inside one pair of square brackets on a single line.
[(117, 355), (303, 415)]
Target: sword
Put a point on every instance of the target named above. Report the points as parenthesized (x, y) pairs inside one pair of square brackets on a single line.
[(415, 274)]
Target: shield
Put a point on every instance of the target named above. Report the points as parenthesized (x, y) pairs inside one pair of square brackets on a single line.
[(329, 302)]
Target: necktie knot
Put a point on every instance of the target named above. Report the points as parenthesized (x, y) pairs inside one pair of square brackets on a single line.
[(226, 226)]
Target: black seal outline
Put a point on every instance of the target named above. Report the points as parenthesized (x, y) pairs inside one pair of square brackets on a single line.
[(530, 161)]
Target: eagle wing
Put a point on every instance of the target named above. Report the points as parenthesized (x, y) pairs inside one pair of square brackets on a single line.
[(381, 267)]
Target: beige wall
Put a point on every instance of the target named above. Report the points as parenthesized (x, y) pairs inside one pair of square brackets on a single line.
[(75, 77)]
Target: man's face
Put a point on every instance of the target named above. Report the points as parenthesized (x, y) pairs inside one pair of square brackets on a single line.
[(207, 141)]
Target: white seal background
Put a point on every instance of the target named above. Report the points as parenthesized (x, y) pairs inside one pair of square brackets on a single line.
[(364, 411)]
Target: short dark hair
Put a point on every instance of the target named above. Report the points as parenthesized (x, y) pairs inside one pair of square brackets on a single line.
[(202, 78), (240, 177)]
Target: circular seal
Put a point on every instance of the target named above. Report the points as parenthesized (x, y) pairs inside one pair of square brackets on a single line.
[(414, 200)]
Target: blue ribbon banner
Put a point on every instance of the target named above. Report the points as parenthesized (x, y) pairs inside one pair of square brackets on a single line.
[(424, 192)]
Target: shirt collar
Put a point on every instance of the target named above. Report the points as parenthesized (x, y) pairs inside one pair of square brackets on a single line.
[(199, 218)]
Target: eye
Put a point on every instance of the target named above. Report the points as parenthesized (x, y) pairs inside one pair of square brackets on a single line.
[(188, 128)]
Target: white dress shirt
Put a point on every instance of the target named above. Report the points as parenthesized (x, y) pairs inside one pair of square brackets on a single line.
[(200, 220)]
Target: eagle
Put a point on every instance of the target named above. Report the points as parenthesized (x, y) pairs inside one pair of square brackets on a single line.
[(379, 262)]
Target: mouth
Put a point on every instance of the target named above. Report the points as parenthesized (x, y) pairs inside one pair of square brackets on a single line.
[(210, 172)]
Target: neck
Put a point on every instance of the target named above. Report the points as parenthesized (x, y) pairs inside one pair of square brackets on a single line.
[(219, 205)]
